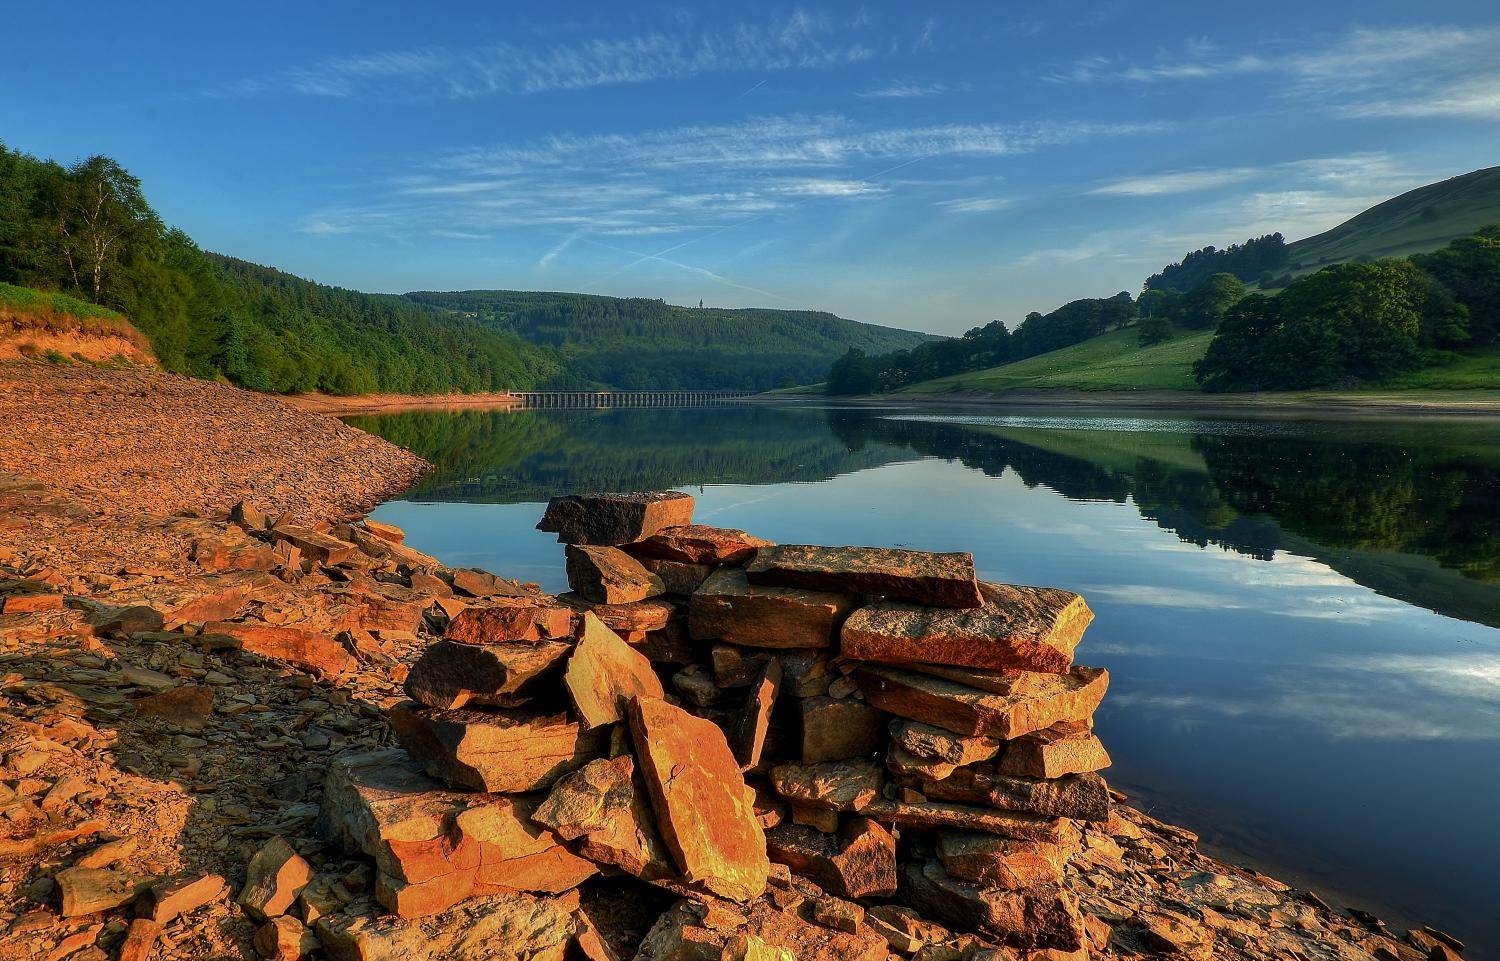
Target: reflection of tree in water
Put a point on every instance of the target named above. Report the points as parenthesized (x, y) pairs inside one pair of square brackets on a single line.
[(1260, 492), (514, 456), (1435, 501)]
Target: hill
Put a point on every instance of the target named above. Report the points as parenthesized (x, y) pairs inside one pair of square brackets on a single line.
[(638, 343), (1415, 222), (1112, 361)]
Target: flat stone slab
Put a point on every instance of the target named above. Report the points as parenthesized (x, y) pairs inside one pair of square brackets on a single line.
[(942, 580), (614, 519), (451, 674), (1042, 700), (434, 847), (1017, 628), (837, 728), (314, 651), (932, 815), (608, 575), (703, 807), (604, 673), (1005, 863), (511, 619), (700, 544), (1082, 797), (508, 926), (729, 608), (504, 753), (651, 614), (849, 785), (1058, 751)]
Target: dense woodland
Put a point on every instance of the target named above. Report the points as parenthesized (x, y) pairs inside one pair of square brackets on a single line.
[(637, 343), (1343, 326), (87, 231)]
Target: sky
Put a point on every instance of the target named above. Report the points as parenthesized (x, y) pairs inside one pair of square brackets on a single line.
[(932, 166)]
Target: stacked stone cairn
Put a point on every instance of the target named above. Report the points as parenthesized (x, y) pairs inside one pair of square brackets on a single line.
[(850, 752)]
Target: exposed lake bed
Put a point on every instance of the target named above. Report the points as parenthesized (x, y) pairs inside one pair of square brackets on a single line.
[(1305, 610)]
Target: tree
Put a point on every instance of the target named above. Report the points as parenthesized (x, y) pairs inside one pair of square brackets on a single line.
[(1470, 270), (851, 374), (1206, 304), (1154, 330), (103, 219)]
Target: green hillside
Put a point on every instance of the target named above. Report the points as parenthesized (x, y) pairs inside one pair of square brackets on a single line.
[(1112, 361), (1414, 222), (638, 343)]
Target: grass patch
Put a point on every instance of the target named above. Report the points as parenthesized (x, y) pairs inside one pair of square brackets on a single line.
[(25, 309), (1112, 361), (1479, 370)]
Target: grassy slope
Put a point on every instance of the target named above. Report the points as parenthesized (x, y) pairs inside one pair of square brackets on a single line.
[(1112, 361), (1418, 220)]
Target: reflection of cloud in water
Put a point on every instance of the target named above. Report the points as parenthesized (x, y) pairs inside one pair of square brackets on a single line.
[(1380, 697), (1151, 595)]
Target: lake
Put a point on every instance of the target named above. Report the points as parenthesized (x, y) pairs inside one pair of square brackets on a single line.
[(1300, 617)]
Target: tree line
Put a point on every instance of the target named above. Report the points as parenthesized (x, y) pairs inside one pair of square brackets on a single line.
[(1346, 324)]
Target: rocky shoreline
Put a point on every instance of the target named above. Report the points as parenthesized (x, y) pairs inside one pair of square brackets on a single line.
[(237, 720)]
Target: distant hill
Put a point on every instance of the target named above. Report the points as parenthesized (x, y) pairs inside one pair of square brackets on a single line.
[(638, 343), (1415, 222)]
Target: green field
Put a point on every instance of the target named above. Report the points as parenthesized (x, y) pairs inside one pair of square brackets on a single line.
[(1112, 361), (1478, 371), (1417, 221), (26, 300)]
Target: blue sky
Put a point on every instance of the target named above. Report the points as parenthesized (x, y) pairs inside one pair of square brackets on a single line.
[(933, 166)]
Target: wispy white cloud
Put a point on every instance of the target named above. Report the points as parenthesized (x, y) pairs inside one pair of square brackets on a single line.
[(1174, 182), (914, 89), (975, 205), (832, 188), (1476, 99), (802, 40)]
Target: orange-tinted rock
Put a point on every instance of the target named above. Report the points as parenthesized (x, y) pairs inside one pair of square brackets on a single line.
[(492, 752), (1059, 750), (943, 580), (604, 673), (759, 932), (936, 744), (511, 619), (1017, 628), (608, 575), (274, 877), (804, 673), (1040, 701), (700, 544), (651, 614), (312, 650), (748, 737), (615, 519), (231, 550), (284, 939), (1083, 797), (858, 862), (602, 808), (89, 890), (838, 728), (140, 940), (451, 674), (434, 848), (32, 603), (316, 545), (704, 809), (992, 861), (477, 583), (186, 708), (384, 531), (728, 607), (678, 577), (849, 785), (171, 899), (505, 926), (930, 815), (1039, 918)]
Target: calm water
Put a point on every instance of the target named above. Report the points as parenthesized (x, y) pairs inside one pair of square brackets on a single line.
[(1300, 617)]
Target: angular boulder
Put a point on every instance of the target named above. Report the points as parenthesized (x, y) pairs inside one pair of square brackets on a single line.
[(511, 619), (1016, 629), (748, 736), (760, 931), (837, 728), (942, 745), (729, 608), (858, 862), (700, 544), (434, 847), (1068, 748), (1043, 918), (1082, 797), (996, 862), (602, 808), (508, 754), (804, 673), (941, 580), (677, 577), (703, 807), (604, 673), (608, 575), (849, 785), (933, 815), (507, 926), (274, 877), (451, 674), (1039, 700), (314, 651), (610, 520), (315, 545)]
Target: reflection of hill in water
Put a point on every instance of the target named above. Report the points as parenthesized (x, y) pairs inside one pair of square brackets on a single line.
[(509, 457), (1412, 512)]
